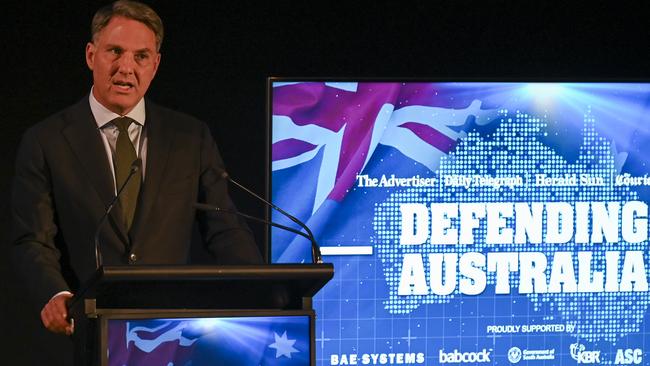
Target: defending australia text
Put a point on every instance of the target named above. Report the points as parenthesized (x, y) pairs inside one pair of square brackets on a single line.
[(537, 225)]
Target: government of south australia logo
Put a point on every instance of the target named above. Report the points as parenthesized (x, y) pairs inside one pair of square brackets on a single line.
[(514, 354)]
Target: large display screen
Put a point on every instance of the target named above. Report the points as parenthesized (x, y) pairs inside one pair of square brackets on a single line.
[(469, 222)]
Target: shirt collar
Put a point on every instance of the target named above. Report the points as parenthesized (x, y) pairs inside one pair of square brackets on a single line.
[(103, 115)]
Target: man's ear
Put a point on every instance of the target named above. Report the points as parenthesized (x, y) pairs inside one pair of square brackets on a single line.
[(90, 55)]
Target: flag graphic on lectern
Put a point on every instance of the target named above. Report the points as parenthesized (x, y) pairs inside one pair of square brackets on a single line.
[(254, 341), (469, 222)]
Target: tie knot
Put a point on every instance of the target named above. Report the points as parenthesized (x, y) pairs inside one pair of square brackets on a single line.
[(123, 123)]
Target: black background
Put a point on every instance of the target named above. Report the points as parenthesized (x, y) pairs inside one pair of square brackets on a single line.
[(218, 54)]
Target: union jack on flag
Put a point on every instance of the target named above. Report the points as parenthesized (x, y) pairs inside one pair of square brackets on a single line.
[(325, 134)]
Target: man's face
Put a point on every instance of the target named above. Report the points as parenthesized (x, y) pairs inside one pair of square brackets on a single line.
[(124, 60)]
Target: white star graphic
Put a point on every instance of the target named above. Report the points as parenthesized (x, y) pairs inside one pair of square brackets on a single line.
[(282, 345)]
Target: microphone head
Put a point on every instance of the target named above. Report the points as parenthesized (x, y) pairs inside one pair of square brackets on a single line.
[(136, 165)]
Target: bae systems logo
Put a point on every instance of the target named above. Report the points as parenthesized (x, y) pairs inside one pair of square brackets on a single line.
[(465, 357), (579, 354)]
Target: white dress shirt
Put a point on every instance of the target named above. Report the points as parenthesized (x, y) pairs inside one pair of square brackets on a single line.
[(109, 131)]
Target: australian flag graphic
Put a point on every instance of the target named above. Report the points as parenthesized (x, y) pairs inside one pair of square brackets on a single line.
[(324, 135), (254, 341)]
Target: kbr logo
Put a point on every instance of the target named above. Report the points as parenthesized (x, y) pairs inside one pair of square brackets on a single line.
[(514, 354), (464, 357), (628, 356), (579, 354)]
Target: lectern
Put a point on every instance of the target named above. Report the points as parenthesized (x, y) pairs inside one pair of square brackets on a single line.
[(202, 315)]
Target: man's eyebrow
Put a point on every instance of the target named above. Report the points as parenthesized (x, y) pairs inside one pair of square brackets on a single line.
[(141, 50)]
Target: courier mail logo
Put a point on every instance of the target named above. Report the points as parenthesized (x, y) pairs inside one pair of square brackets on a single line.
[(579, 354), (464, 357)]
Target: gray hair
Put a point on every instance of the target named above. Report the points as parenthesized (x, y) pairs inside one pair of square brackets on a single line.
[(131, 10)]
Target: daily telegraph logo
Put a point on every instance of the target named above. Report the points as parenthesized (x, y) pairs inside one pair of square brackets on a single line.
[(465, 357), (580, 354)]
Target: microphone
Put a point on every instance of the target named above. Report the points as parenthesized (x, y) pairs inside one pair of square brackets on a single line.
[(315, 249), (136, 166)]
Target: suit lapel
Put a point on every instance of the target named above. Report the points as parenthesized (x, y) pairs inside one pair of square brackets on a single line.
[(159, 139), (86, 143)]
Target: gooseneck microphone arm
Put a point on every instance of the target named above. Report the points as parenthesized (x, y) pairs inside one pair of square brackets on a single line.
[(315, 249), (206, 207), (136, 166)]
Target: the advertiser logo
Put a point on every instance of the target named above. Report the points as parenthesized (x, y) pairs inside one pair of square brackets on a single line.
[(516, 354), (629, 356), (465, 357), (580, 354)]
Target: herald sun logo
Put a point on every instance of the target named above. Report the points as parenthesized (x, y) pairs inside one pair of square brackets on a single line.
[(629, 356), (579, 354)]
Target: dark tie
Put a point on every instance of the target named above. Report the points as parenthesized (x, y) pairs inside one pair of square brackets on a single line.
[(124, 157)]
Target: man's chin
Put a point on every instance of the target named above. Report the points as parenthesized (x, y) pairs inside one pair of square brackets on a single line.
[(123, 104)]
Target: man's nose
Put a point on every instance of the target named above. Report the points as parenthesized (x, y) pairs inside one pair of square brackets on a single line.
[(126, 63)]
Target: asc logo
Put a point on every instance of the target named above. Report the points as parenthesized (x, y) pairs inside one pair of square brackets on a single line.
[(579, 354), (628, 356)]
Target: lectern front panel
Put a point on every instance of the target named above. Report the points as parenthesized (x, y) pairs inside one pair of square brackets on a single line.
[(209, 340)]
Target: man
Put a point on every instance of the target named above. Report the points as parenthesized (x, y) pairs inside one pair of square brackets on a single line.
[(70, 166)]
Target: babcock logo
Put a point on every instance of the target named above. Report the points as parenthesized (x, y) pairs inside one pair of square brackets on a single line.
[(579, 354), (464, 357), (629, 356)]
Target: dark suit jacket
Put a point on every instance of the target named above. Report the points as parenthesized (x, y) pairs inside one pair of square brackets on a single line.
[(63, 185)]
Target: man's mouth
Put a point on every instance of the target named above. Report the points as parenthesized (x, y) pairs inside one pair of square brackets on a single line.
[(123, 85)]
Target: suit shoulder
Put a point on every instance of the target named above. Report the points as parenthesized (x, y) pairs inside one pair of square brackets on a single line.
[(180, 124), (56, 121), (177, 119)]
